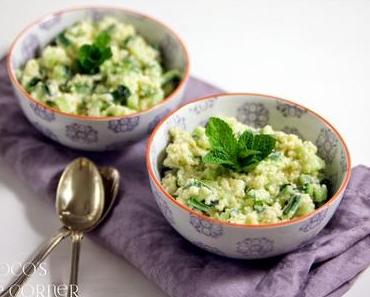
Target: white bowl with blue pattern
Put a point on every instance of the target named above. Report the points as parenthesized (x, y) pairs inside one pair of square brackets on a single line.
[(250, 241), (95, 133)]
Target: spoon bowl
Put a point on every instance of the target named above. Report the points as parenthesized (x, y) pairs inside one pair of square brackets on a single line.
[(111, 180), (80, 195)]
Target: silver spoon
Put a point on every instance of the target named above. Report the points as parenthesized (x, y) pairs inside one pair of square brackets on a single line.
[(111, 179), (79, 203)]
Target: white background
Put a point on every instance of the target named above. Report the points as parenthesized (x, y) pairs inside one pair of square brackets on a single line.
[(314, 52)]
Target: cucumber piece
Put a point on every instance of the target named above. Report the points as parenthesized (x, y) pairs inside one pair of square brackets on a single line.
[(309, 189), (198, 183), (291, 208), (63, 40), (305, 179), (320, 193), (170, 80), (32, 83), (193, 202)]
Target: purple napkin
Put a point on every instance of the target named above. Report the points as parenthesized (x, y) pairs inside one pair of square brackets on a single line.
[(137, 231)]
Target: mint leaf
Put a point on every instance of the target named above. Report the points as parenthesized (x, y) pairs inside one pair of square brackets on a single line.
[(221, 136), (102, 40), (246, 140), (253, 148), (242, 154), (219, 157), (264, 143), (224, 146), (90, 57), (249, 164)]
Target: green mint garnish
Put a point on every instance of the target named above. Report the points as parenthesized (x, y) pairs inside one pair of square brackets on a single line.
[(90, 57), (242, 154), (121, 95)]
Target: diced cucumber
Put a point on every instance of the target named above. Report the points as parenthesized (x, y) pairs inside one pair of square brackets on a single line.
[(258, 206), (309, 189), (197, 183), (63, 40), (193, 202), (320, 193), (32, 83), (170, 80), (305, 179), (291, 208), (286, 191)]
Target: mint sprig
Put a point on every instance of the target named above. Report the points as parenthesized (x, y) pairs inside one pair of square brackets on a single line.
[(90, 57), (242, 154)]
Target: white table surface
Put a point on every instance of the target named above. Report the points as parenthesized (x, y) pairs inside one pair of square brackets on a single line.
[(314, 52)]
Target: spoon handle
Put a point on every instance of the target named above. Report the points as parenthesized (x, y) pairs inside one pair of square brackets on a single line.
[(75, 260), (30, 266)]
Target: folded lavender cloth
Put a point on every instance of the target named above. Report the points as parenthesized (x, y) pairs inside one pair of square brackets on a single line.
[(137, 231)]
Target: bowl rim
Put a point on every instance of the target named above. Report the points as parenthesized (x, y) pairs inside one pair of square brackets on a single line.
[(328, 203), (50, 15)]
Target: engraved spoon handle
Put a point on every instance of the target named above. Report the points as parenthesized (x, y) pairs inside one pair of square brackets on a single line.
[(30, 266)]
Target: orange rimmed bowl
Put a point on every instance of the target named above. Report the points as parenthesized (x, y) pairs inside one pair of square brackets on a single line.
[(95, 133), (250, 241)]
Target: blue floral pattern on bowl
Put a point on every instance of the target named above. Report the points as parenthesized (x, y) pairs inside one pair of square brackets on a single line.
[(177, 121), (156, 120), (124, 125), (97, 14), (208, 248), (47, 132), (163, 206), (314, 222), (81, 133), (327, 145), (29, 46), (51, 22), (206, 228), (41, 112), (255, 247), (290, 110), (166, 210), (202, 107), (253, 114), (292, 130)]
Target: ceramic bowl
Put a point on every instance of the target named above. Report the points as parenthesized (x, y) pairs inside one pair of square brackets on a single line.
[(240, 240), (95, 133)]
